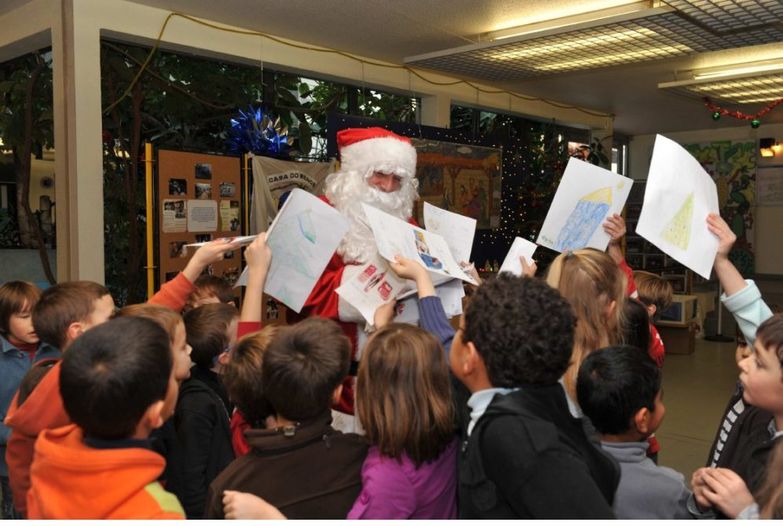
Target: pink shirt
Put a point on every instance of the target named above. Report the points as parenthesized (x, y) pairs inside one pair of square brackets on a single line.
[(396, 489)]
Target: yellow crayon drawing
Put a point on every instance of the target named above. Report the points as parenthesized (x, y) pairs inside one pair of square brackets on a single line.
[(678, 230)]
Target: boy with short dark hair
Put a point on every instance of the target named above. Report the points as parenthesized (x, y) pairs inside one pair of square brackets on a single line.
[(526, 445), (115, 394), (619, 389), (202, 418), (299, 464), (761, 376)]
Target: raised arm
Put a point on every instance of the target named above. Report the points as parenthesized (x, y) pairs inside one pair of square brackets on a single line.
[(258, 256), (615, 227), (432, 317), (730, 278), (741, 297), (173, 294)]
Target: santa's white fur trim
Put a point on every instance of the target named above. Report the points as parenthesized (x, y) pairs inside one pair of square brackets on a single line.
[(382, 154)]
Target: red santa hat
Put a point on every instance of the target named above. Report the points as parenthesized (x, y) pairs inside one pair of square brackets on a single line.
[(362, 149)]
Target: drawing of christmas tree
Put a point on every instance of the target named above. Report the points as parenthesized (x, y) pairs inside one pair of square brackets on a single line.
[(678, 230)]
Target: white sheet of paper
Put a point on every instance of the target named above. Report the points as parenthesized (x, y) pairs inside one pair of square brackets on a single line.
[(237, 240), (456, 229), (202, 215), (586, 196), (450, 294), (375, 285), (520, 247), (678, 197), (303, 238), (396, 237)]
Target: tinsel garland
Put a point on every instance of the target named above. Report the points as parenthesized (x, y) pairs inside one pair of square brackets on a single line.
[(755, 119)]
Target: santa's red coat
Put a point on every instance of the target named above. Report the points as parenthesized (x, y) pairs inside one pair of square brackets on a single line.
[(324, 302)]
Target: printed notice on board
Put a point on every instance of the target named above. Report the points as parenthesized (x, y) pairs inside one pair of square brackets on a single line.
[(229, 216), (202, 215), (174, 216)]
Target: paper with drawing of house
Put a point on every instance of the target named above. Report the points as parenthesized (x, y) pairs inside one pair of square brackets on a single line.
[(519, 248), (395, 237), (586, 196), (303, 237), (456, 229), (678, 197)]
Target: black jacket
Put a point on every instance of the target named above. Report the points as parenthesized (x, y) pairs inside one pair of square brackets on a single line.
[(527, 457), (746, 444), (204, 435)]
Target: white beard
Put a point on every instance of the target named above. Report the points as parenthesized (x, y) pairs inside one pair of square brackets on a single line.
[(347, 190)]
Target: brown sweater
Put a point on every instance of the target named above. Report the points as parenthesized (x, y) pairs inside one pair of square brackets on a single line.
[(314, 474)]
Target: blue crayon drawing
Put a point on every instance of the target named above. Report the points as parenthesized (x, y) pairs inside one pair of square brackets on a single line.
[(587, 216)]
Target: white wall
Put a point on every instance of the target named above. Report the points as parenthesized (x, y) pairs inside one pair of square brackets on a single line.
[(768, 225)]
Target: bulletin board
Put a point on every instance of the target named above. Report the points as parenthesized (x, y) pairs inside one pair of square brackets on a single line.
[(199, 199)]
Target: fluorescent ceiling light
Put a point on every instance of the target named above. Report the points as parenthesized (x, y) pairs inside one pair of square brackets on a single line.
[(739, 71), (599, 41), (636, 32), (608, 60), (580, 20), (739, 86)]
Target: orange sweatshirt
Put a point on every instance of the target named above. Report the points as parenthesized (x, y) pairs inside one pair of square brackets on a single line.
[(71, 480), (44, 408)]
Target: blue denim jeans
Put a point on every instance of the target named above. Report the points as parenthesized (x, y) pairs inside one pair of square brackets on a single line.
[(8, 503)]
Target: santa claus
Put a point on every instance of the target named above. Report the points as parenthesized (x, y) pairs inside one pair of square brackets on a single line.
[(378, 168)]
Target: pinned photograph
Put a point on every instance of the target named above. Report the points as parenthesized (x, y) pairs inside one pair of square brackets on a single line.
[(203, 171), (227, 189), (229, 216), (178, 187), (177, 249), (203, 191), (203, 238), (174, 216)]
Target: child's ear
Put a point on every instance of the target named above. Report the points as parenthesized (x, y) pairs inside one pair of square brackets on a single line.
[(153, 417), (337, 393), (610, 309), (472, 357), (651, 310), (224, 358), (641, 421), (74, 330)]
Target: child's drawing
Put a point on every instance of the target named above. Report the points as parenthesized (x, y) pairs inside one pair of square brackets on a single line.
[(586, 217), (586, 195), (678, 230), (306, 226)]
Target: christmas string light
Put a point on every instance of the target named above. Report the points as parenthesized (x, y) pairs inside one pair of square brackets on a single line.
[(755, 119)]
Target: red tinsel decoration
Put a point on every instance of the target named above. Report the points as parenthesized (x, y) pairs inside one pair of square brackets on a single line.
[(738, 114)]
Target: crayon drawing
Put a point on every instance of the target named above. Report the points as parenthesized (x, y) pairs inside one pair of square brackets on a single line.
[(586, 217), (678, 230)]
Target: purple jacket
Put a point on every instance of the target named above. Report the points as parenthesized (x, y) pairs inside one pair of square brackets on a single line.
[(393, 489)]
